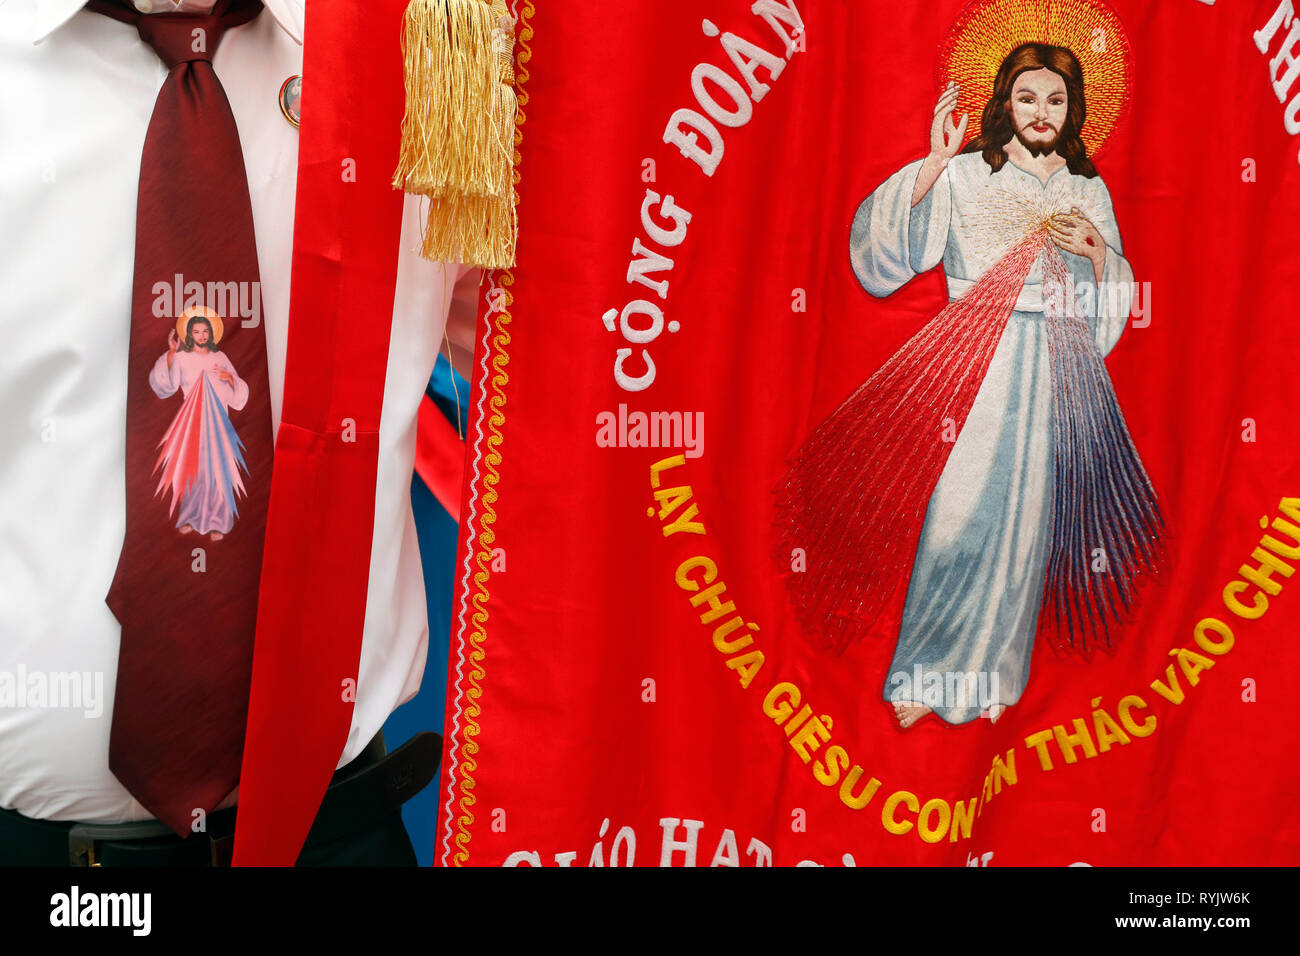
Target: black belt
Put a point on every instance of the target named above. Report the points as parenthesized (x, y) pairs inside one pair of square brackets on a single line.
[(360, 794)]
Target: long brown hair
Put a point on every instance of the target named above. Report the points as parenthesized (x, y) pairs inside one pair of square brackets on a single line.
[(997, 129), (188, 344)]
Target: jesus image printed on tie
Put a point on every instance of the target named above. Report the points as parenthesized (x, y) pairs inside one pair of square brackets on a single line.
[(986, 466), (200, 457)]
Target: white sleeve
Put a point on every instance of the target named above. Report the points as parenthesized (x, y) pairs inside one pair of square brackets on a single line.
[(892, 242), (1108, 308), (235, 396), (163, 380)]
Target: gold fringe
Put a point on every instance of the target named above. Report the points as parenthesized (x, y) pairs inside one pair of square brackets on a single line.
[(458, 132), (450, 143), (472, 229)]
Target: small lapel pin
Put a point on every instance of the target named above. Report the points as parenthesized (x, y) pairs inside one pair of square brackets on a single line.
[(291, 100)]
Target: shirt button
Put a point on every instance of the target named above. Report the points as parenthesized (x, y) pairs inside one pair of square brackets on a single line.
[(144, 6)]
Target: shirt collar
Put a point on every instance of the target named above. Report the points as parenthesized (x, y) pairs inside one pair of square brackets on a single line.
[(52, 14)]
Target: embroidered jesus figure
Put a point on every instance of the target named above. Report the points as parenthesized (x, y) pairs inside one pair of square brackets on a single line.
[(201, 455), (986, 466)]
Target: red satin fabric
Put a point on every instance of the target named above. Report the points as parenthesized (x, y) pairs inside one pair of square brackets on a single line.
[(440, 457), (316, 566)]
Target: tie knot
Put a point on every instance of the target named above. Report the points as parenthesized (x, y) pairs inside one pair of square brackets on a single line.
[(181, 37)]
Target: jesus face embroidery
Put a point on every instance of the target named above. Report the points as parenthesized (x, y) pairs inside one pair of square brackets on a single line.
[(986, 467), (200, 457)]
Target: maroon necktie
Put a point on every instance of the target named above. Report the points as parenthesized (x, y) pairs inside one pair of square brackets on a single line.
[(198, 438)]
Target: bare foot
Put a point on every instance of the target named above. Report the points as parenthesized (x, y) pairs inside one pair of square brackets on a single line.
[(909, 712), (994, 712), (216, 535), (185, 529)]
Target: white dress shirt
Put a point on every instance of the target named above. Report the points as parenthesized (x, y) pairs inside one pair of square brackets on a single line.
[(77, 90)]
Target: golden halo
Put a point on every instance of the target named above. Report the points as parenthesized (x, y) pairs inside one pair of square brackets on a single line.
[(987, 30), (218, 328)]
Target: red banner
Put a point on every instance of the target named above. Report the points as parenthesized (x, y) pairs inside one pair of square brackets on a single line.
[(343, 267), (883, 451)]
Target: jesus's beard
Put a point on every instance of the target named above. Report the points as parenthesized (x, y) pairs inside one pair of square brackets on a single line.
[(1040, 148)]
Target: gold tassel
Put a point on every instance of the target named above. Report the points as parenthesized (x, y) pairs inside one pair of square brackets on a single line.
[(458, 131)]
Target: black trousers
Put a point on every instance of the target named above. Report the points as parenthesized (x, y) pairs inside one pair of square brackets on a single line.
[(384, 844), (381, 841)]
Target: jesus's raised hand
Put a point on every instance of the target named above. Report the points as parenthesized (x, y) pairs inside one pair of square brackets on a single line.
[(945, 142), (946, 136)]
